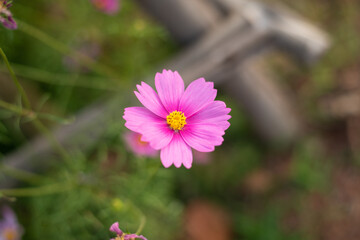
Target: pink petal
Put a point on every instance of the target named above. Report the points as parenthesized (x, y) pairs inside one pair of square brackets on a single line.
[(115, 228), (154, 129), (197, 95), (202, 157), (202, 138), (134, 143), (157, 134), (170, 87), (177, 153), (215, 113), (149, 98), (134, 236), (136, 117), (107, 6)]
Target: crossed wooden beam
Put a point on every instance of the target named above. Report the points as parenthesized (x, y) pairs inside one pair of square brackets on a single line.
[(226, 40), (231, 48)]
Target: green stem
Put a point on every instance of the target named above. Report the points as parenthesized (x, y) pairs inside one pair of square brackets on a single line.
[(37, 123), (21, 174), (142, 217), (66, 96), (16, 81), (31, 114), (36, 191), (142, 225), (54, 142), (61, 79), (14, 108), (65, 50)]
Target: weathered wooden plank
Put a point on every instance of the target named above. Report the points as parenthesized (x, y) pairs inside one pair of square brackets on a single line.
[(233, 37), (186, 20), (342, 105), (294, 34), (268, 104)]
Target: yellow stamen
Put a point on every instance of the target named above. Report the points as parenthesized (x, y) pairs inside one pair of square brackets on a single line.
[(10, 234), (141, 143), (176, 120)]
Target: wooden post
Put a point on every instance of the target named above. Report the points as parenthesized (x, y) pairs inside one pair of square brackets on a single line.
[(186, 20)]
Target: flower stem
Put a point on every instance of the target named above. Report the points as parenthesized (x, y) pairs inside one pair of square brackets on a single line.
[(16, 81), (21, 174), (61, 79), (31, 114), (37, 123), (142, 217), (142, 225), (13, 108), (65, 50), (36, 191)]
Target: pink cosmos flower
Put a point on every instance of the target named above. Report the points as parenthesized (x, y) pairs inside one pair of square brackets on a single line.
[(139, 147), (122, 236), (174, 120), (10, 229), (107, 6), (6, 18)]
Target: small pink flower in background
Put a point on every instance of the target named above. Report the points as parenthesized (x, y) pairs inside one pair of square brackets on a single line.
[(139, 147), (174, 120), (10, 229), (122, 236), (107, 6), (6, 18), (202, 157)]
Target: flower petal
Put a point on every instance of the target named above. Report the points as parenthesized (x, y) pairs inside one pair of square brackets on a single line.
[(157, 134), (9, 23), (152, 128), (170, 87), (177, 152), (138, 116), (202, 138), (115, 228), (134, 143), (149, 98), (107, 6), (197, 95), (215, 113), (134, 236)]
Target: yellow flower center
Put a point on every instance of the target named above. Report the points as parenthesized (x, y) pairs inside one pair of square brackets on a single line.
[(122, 237), (141, 143), (176, 120), (9, 234)]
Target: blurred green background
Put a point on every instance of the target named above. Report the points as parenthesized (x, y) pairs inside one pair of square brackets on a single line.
[(248, 190)]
